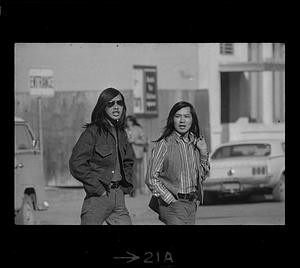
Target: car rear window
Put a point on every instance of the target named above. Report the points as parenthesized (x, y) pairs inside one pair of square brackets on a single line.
[(242, 150)]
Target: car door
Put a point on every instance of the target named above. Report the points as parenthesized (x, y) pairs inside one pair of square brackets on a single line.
[(28, 166)]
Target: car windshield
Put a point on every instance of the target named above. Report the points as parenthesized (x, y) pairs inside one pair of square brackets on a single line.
[(23, 140), (242, 150)]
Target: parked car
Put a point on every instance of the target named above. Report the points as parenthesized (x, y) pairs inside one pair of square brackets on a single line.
[(29, 178), (247, 168)]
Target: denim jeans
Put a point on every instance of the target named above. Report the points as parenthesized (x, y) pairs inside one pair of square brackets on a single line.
[(180, 212), (108, 207)]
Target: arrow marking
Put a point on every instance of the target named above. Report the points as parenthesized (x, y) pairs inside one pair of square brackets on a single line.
[(133, 257)]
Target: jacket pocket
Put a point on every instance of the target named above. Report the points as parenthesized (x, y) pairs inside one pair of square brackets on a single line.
[(89, 204), (93, 190), (103, 151)]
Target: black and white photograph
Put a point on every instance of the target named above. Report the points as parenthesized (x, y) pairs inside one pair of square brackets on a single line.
[(230, 96), (146, 134)]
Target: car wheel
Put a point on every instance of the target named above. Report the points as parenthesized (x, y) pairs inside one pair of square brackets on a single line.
[(279, 190), (25, 216)]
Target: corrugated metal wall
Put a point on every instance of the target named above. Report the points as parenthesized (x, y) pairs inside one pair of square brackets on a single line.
[(65, 114)]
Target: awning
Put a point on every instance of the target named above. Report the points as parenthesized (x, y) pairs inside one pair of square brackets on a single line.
[(252, 66)]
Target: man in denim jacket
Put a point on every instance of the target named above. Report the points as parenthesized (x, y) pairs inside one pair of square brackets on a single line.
[(102, 159)]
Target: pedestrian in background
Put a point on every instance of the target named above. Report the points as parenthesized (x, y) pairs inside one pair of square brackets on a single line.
[(102, 159), (139, 142), (177, 167)]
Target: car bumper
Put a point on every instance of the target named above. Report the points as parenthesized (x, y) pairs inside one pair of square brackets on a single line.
[(238, 186)]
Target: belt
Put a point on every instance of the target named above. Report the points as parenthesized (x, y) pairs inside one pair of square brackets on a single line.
[(189, 196), (114, 184)]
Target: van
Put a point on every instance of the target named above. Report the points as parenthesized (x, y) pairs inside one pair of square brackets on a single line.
[(29, 175)]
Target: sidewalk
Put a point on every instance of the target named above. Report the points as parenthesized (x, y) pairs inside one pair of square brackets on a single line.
[(139, 210), (65, 205)]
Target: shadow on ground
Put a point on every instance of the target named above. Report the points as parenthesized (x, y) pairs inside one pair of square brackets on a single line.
[(239, 200)]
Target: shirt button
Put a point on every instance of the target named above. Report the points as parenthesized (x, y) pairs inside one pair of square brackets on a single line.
[(113, 172)]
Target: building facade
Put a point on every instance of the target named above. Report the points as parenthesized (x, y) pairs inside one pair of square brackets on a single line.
[(246, 83)]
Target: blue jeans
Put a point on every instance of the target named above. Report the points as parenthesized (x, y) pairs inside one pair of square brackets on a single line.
[(180, 212), (108, 207)]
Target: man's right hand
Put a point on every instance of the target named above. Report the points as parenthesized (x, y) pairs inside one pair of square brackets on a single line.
[(202, 146)]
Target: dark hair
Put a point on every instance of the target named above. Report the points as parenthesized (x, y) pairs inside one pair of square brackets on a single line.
[(99, 117), (133, 120), (169, 128)]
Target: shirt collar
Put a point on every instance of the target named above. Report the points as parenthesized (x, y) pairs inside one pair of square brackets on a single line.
[(189, 137)]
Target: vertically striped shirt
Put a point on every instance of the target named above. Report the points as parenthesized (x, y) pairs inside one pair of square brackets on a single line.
[(185, 164)]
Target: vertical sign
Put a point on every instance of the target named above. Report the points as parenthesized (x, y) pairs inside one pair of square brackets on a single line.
[(145, 90), (151, 90), (138, 91)]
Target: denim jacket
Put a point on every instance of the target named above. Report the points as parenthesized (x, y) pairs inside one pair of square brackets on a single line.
[(93, 160)]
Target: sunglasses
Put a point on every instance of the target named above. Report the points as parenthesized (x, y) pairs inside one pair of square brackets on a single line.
[(112, 103)]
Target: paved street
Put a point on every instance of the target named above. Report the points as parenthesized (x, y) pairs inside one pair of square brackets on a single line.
[(65, 207)]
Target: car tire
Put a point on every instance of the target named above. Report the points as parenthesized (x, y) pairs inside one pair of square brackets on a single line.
[(25, 215), (279, 190)]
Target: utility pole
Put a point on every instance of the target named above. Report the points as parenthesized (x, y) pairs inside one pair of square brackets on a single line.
[(39, 99), (41, 86)]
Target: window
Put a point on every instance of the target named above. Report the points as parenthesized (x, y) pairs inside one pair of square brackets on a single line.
[(242, 150), (23, 140), (226, 49)]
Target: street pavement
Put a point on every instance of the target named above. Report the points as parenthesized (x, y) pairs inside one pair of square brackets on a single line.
[(139, 210), (65, 207)]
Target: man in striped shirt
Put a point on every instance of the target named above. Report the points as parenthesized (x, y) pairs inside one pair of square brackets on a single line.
[(177, 167)]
